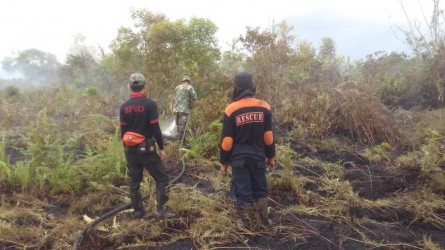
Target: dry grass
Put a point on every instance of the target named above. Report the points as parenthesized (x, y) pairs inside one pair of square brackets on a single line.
[(24, 223), (425, 205), (306, 191), (428, 244), (350, 109), (102, 199), (362, 115)]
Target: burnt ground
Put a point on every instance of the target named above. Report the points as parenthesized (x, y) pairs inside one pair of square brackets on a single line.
[(392, 227), (386, 227), (379, 181)]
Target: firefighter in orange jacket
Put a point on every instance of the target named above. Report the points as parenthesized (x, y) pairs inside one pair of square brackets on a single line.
[(247, 144)]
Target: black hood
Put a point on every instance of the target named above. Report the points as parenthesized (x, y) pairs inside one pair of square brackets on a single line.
[(243, 86)]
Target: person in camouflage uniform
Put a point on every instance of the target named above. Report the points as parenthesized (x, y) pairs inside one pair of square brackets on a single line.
[(185, 96)]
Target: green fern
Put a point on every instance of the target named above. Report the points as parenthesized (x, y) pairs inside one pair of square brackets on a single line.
[(204, 144), (65, 179), (433, 154), (22, 175), (5, 172), (3, 155), (5, 169), (106, 164)]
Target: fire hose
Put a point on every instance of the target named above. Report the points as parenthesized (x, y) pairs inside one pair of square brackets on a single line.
[(87, 228)]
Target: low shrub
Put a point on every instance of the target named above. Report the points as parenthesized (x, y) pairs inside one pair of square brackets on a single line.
[(349, 109)]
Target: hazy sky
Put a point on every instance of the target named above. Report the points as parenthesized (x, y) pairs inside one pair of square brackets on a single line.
[(359, 27)]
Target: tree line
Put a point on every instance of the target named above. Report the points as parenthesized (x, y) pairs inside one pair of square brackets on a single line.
[(165, 50)]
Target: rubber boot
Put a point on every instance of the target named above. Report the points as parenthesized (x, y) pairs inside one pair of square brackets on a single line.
[(256, 216), (138, 205), (163, 213), (161, 199), (244, 216), (262, 207)]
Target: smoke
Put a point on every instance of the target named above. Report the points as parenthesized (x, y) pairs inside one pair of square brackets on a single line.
[(30, 67), (10, 75), (8, 78), (168, 127), (22, 79)]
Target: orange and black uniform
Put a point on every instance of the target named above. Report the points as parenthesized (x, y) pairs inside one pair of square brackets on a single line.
[(140, 114), (246, 141), (247, 131)]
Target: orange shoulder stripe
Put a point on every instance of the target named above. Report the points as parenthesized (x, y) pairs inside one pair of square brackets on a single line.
[(245, 103)]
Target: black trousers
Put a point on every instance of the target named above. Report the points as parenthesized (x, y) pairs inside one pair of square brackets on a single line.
[(249, 181), (136, 164)]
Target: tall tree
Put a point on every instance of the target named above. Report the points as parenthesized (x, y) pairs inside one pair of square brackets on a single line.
[(270, 56), (181, 47), (166, 50), (328, 62), (130, 46)]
